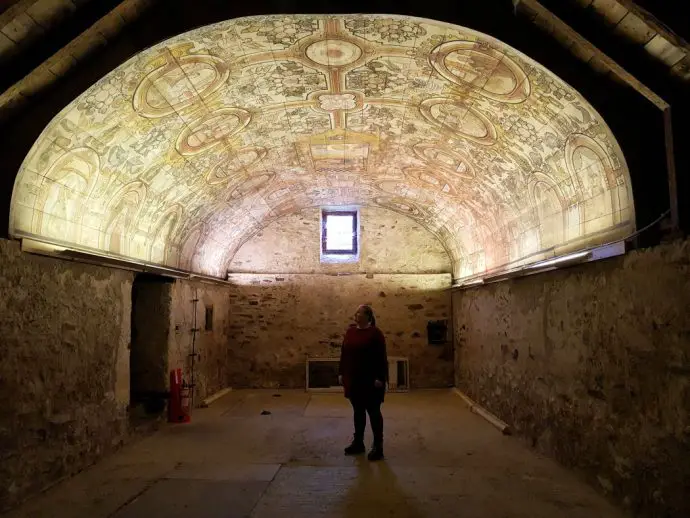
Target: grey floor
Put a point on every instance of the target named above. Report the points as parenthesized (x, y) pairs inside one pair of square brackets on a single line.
[(231, 462)]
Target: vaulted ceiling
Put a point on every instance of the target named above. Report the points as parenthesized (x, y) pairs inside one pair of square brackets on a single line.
[(188, 149)]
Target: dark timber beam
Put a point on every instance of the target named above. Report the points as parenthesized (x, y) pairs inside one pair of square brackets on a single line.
[(597, 59)]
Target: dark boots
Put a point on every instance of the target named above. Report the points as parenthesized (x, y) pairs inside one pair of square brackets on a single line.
[(355, 448), (376, 453)]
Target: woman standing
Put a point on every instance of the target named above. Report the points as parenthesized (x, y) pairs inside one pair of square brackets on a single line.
[(364, 373)]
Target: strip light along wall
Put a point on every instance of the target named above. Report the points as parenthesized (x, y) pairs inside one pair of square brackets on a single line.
[(38, 247), (584, 256)]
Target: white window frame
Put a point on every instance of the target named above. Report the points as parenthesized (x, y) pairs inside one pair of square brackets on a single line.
[(339, 257)]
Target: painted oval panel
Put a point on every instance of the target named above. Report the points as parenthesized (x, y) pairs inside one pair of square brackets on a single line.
[(178, 84), (484, 69), (459, 120), (211, 130)]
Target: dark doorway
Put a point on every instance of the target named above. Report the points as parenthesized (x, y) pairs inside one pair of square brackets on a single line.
[(148, 355)]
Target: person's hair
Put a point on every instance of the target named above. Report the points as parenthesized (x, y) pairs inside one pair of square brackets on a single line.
[(369, 313)]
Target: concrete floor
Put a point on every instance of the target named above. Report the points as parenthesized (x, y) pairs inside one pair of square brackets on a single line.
[(231, 462)]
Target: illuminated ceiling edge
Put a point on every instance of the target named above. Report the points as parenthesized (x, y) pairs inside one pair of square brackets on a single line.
[(447, 25)]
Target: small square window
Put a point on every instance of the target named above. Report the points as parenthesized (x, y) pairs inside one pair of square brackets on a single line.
[(339, 233), (209, 319)]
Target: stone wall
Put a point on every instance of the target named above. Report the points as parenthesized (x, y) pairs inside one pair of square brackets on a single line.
[(287, 305), (592, 365), (389, 243), (280, 320), (210, 367), (65, 332), (64, 374)]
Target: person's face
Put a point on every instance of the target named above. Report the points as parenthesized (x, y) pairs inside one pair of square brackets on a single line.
[(361, 317)]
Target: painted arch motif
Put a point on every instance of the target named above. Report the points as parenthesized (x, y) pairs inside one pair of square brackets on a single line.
[(181, 153)]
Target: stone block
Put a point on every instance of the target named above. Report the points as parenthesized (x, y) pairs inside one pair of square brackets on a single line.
[(60, 63), (49, 12), (665, 51), (22, 29), (110, 25), (36, 81), (132, 9), (635, 29), (85, 45), (682, 68), (611, 10), (8, 48)]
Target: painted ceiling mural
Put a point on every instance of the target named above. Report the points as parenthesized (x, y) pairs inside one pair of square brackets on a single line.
[(185, 151)]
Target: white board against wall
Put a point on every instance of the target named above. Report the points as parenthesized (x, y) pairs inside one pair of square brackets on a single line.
[(322, 374)]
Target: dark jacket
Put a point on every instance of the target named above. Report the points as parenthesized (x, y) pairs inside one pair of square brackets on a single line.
[(363, 360)]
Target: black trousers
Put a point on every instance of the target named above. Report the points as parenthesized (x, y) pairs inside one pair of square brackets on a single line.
[(361, 406)]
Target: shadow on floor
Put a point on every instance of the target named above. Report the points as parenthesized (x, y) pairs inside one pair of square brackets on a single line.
[(376, 487)]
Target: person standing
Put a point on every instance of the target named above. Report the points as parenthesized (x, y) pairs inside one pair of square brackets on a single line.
[(363, 373)]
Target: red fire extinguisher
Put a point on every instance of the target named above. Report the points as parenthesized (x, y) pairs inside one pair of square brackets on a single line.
[(178, 405)]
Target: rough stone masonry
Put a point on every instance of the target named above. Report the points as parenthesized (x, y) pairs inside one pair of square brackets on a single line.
[(592, 365), (280, 320)]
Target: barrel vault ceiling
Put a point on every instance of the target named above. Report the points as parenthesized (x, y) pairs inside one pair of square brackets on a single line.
[(185, 151)]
